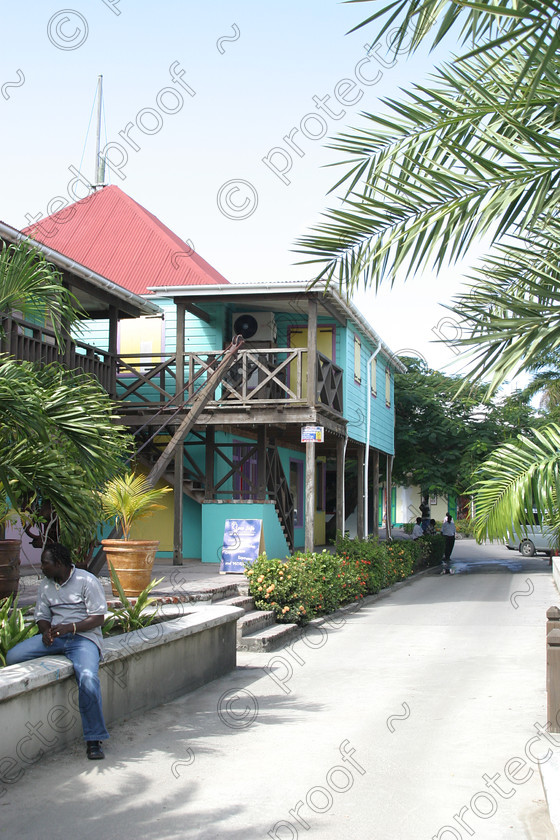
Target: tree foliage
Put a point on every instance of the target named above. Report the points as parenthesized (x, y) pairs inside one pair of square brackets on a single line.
[(516, 479), (59, 443), (30, 284), (441, 436), (58, 446)]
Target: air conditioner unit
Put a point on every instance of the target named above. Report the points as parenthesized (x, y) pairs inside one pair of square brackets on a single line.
[(255, 326)]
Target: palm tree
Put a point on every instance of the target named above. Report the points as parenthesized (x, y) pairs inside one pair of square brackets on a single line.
[(58, 446), (473, 154), (58, 441), (29, 283)]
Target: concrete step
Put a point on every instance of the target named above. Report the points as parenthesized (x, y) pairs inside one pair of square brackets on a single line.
[(244, 601), (269, 639), (254, 621), (196, 592)]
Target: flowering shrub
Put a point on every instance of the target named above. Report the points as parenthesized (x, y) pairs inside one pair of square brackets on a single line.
[(309, 584)]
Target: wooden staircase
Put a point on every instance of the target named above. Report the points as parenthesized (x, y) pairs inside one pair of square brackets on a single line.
[(194, 484)]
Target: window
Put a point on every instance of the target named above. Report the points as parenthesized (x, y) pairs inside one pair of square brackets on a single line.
[(387, 387), (296, 489), (373, 377), (357, 360)]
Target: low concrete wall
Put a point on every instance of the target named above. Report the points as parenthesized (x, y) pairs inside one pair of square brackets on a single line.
[(39, 710), (556, 571)]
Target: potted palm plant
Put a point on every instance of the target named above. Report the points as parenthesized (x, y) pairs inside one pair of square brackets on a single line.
[(124, 500)]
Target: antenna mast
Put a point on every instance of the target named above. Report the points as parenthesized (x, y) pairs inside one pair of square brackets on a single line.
[(99, 160)]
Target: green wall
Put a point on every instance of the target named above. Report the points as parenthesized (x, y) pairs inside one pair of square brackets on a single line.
[(214, 515)]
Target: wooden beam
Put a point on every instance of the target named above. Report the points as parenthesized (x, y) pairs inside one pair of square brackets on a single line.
[(261, 463), (180, 349), (375, 493), (340, 507), (388, 524), (309, 495), (103, 295), (196, 311), (332, 312), (312, 351), (178, 509), (113, 344), (188, 422), (209, 455), (360, 463)]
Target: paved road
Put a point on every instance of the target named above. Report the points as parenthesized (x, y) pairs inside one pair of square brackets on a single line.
[(393, 723)]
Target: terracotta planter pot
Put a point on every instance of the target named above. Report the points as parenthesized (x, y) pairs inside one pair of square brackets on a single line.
[(132, 561), (9, 567)]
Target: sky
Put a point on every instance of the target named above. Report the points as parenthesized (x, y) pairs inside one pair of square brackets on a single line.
[(217, 118)]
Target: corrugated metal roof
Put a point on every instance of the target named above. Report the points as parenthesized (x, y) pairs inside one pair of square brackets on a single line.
[(116, 237)]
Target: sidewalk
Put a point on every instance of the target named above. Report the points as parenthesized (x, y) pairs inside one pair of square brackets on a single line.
[(388, 722)]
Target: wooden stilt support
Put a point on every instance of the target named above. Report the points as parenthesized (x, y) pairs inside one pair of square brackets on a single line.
[(309, 495), (375, 493), (360, 462), (178, 509), (340, 477)]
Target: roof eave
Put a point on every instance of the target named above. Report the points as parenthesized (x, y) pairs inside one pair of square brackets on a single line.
[(145, 307)]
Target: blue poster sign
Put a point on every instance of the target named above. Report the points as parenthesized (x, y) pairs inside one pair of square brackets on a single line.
[(243, 542)]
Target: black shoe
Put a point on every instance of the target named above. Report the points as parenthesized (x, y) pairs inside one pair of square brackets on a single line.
[(93, 750)]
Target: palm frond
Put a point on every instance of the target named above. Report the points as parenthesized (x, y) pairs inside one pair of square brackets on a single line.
[(30, 284), (516, 479), (447, 165), (510, 312), (506, 26)]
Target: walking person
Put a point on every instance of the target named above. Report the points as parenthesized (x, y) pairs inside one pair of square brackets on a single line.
[(448, 530), (69, 612)]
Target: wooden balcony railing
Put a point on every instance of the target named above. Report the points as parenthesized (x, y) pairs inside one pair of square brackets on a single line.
[(257, 377), (139, 382), (30, 342)]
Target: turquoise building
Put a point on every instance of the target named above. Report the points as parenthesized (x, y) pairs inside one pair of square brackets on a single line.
[(269, 428)]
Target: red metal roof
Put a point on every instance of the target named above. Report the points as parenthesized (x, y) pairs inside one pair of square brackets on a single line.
[(109, 233)]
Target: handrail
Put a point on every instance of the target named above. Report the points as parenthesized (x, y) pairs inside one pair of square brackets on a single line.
[(279, 491)]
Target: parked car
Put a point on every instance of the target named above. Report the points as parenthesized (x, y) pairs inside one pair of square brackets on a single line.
[(539, 538)]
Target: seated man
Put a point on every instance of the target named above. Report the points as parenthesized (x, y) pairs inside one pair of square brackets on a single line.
[(418, 531), (69, 613)]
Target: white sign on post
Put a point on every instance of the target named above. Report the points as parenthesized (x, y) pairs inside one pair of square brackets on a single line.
[(313, 434)]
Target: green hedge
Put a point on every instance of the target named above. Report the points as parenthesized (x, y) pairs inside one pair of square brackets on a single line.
[(310, 584)]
